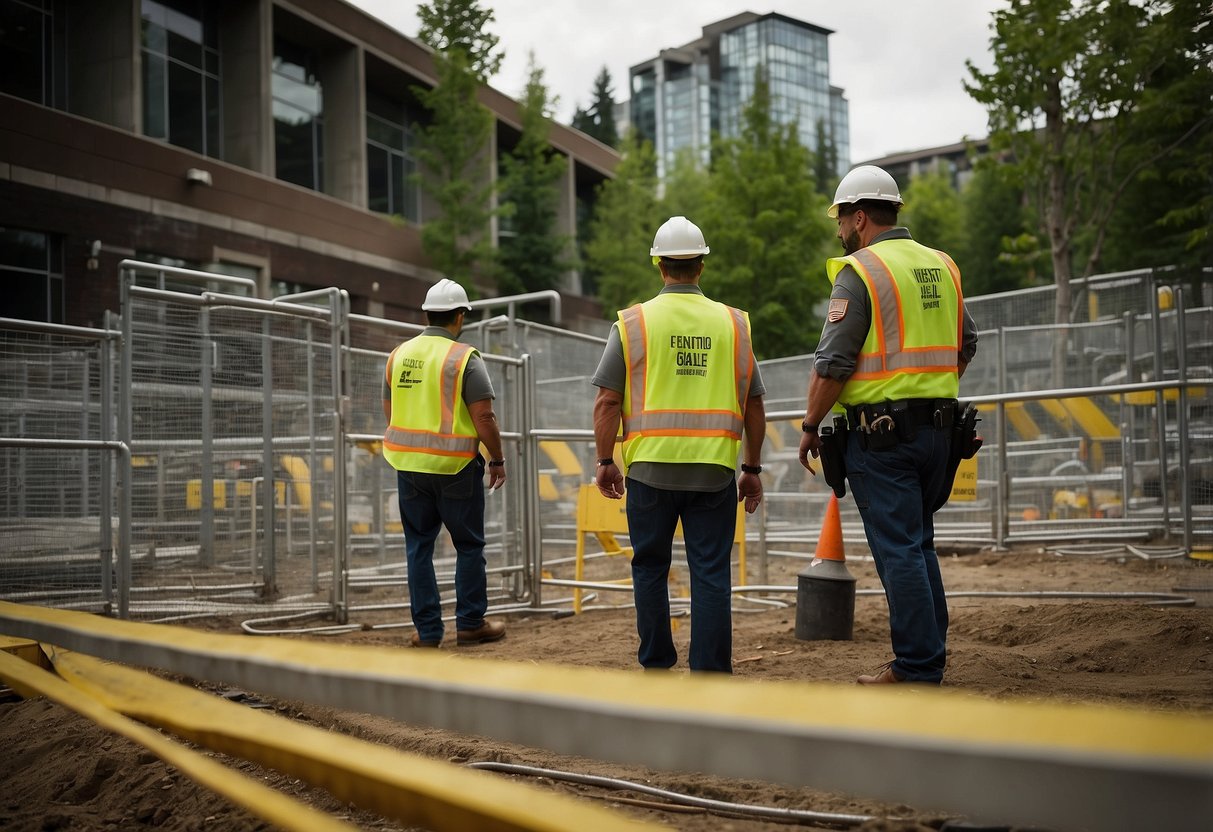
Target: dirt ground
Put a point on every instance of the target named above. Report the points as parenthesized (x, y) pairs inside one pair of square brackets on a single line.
[(59, 772)]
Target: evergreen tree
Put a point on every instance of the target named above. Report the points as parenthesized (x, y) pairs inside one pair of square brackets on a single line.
[(626, 217), (461, 25), (598, 120), (766, 224), (455, 169), (825, 162), (532, 255)]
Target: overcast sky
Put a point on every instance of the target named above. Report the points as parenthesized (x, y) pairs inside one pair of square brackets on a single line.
[(900, 62)]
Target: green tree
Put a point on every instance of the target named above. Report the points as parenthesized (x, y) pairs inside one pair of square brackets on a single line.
[(1166, 213), (621, 232), (825, 162), (767, 227), (462, 26), (532, 255), (455, 168), (598, 120), (687, 187), (933, 211), (1068, 81), (994, 216)]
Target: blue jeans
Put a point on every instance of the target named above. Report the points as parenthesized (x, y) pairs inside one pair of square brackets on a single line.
[(427, 503), (895, 489), (709, 520)]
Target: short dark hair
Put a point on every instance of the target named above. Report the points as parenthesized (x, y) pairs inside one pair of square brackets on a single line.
[(880, 211), (683, 268), (444, 318)]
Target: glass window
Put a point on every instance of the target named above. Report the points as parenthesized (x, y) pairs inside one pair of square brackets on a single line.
[(298, 108), (390, 159), (181, 74), (25, 49), (31, 274)]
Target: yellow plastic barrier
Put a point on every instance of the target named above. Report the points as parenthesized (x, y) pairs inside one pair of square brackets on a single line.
[(567, 466), (1018, 417), (605, 518)]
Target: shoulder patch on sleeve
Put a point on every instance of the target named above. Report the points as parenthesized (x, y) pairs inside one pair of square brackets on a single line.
[(838, 310)]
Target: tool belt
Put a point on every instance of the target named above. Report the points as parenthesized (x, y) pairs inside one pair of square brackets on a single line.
[(886, 424)]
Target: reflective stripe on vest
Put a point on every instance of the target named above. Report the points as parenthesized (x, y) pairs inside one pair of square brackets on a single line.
[(435, 436), (711, 421), (894, 355)]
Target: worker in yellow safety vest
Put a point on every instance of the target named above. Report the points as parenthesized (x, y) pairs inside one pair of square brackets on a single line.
[(678, 373), (894, 345), (438, 400)]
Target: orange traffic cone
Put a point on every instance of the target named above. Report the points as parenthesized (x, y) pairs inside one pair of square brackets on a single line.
[(829, 544), (825, 591)]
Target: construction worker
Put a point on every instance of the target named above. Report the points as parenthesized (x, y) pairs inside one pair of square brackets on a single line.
[(895, 342), (438, 401), (679, 372)]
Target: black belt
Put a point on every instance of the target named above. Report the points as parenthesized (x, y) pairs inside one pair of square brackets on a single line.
[(906, 413)]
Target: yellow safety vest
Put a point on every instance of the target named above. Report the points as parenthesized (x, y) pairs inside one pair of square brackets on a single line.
[(689, 363), (431, 430), (911, 350)]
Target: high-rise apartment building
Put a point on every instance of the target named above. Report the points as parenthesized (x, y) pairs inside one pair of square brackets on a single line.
[(684, 95)]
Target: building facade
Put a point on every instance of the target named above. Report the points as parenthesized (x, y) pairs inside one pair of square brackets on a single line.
[(682, 97), (953, 160), (272, 139)]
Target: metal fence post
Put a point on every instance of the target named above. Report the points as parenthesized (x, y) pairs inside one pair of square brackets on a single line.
[(105, 508), (532, 557), (268, 475), (1160, 414), (339, 305), (126, 469), (206, 508), (1181, 415)]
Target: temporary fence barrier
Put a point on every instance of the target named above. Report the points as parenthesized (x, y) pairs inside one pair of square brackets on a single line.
[(255, 480)]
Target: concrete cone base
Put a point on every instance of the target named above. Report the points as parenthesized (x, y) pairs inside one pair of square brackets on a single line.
[(825, 602)]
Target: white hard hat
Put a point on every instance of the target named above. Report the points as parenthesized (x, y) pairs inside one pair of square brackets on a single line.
[(864, 182), (444, 296), (679, 238)]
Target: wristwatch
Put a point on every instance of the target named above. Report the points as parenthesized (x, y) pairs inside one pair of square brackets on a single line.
[(606, 460), (496, 463), (751, 469), (807, 428)]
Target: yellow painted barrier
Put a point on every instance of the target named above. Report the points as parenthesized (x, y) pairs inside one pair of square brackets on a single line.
[(260, 800), (1084, 766), (414, 789), (605, 518)]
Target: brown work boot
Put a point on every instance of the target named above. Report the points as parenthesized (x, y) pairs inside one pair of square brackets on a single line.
[(486, 632), (416, 641), (886, 676)]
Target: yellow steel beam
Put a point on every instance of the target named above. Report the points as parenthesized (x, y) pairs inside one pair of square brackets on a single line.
[(260, 800), (1082, 766), (422, 792)]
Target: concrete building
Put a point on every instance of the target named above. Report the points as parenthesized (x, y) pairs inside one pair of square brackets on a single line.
[(954, 160), (680, 98), (263, 138)]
